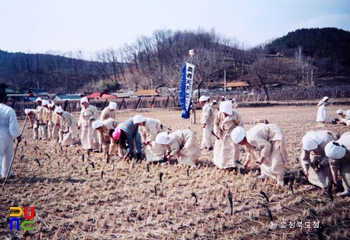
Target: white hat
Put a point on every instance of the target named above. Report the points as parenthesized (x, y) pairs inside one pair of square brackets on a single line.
[(50, 105), (325, 98), (45, 102), (226, 107), (311, 141), (138, 119), (203, 98), (58, 109), (214, 101), (26, 111), (84, 99), (96, 124), (334, 150), (112, 105), (339, 111), (237, 134), (162, 138), (38, 99)]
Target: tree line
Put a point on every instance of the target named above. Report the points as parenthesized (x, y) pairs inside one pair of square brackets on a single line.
[(156, 61)]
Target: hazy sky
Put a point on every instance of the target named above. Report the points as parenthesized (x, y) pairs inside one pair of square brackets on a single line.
[(38, 26)]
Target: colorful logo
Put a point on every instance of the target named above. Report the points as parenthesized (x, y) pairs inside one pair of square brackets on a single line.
[(16, 213)]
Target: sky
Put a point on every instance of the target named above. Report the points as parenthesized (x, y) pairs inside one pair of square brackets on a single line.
[(90, 26)]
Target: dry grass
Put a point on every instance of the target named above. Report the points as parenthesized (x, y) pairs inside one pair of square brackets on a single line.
[(73, 201)]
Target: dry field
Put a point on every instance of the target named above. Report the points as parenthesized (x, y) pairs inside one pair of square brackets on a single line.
[(77, 195)]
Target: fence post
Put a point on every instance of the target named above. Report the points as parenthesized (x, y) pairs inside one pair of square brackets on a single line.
[(121, 104), (104, 105), (138, 103), (65, 105), (167, 101), (152, 103)]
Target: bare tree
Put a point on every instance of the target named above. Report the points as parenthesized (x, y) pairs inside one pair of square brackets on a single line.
[(265, 71)]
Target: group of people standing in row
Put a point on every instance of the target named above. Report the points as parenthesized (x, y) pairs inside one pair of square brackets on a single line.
[(323, 155)]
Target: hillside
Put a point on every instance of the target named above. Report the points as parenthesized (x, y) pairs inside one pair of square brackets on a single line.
[(324, 43), (303, 58), (55, 73)]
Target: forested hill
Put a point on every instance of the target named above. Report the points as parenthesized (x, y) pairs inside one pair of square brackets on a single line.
[(21, 71), (319, 43), (303, 58)]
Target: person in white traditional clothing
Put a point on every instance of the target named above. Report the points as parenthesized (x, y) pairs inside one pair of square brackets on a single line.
[(226, 152), (68, 127), (182, 144), (207, 122), (269, 141), (338, 153), (322, 110), (40, 124), (47, 117), (109, 112), (149, 128), (193, 116), (103, 127), (234, 104), (56, 134), (8, 130), (88, 135), (33, 121), (313, 159), (214, 103), (344, 117)]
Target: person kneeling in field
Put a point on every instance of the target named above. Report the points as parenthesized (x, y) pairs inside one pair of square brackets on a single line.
[(270, 141), (103, 128), (68, 127), (127, 134), (339, 156), (149, 128), (182, 144), (313, 159), (343, 119)]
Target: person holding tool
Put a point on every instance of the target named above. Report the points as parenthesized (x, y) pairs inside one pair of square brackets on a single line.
[(8, 130)]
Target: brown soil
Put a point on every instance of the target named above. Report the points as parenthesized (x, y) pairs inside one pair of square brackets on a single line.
[(120, 200)]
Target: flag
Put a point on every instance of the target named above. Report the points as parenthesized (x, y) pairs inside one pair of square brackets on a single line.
[(185, 92)]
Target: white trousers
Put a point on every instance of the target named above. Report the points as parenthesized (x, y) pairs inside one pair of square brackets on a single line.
[(6, 153)]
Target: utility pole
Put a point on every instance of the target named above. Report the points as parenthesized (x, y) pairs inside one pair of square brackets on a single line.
[(151, 86)]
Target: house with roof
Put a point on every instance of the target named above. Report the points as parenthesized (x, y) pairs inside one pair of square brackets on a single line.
[(39, 92), (230, 86), (101, 95), (146, 93), (68, 97)]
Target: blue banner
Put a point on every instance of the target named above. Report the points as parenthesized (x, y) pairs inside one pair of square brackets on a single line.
[(185, 93)]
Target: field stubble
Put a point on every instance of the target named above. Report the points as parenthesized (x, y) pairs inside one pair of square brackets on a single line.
[(85, 196)]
